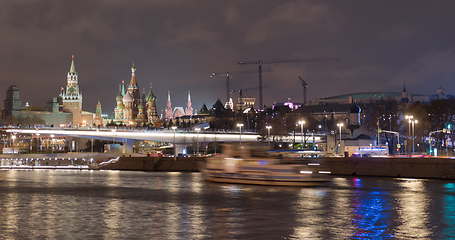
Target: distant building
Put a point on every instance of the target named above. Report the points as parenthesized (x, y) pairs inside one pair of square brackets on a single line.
[(170, 113), (178, 112), (370, 97), (244, 103), (16, 113)]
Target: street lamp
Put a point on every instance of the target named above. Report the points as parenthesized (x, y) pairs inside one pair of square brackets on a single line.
[(113, 134), (175, 149), (301, 123), (268, 127), (197, 139), (340, 125), (413, 122), (240, 125), (13, 138), (409, 118), (52, 143), (39, 141)]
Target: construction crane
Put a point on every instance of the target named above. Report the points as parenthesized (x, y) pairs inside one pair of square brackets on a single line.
[(261, 62), (241, 91), (228, 77), (304, 86)]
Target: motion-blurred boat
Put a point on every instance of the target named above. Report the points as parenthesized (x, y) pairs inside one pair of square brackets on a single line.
[(254, 165)]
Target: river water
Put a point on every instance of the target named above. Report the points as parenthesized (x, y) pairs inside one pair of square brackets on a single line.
[(46, 204)]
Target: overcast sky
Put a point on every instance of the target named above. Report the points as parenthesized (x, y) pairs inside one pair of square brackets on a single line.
[(177, 43)]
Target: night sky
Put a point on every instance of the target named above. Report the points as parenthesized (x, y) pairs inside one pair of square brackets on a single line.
[(176, 44)]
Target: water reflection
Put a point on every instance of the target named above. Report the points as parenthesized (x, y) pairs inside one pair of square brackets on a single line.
[(309, 214), (135, 205), (341, 210), (112, 207), (9, 209), (412, 208), (371, 215)]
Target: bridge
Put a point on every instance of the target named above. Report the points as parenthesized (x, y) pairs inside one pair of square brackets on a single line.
[(169, 136)]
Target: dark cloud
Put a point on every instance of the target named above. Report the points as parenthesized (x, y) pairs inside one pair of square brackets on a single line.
[(177, 43)]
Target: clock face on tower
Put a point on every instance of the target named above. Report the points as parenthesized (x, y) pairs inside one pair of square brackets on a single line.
[(71, 91)]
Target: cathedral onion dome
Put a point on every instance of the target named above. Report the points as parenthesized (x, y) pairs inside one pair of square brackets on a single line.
[(150, 96), (140, 106), (127, 98), (118, 98)]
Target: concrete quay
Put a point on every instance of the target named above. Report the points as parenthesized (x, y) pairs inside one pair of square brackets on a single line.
[(78, 160), (441, 168), (168, 164)]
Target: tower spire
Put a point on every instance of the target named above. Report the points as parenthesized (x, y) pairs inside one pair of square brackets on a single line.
[(122, 88), (133, 82), (72, 67), (168, 112), (189, 106)]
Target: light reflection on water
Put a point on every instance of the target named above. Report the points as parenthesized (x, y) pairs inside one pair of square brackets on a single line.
[(140, 205), (412, 208)]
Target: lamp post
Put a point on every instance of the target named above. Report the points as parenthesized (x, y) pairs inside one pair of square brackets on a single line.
[(175, 149), (91, 145), (113, 134), (240, 125), (268, 127), (39, 141), (215, 142), (52, 143), (301, 123), (197, 140), (409, 118), (340, 125), (413, 122), (13, 138)]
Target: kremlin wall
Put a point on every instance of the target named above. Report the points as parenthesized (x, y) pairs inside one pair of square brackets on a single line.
[(132, 109)]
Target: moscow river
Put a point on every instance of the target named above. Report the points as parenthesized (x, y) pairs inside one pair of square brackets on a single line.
[(41, 204)]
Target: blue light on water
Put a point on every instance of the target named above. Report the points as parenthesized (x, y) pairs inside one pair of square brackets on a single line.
[(357, 182), (372, 216), (450, 187), (449, 216), (449, 212)]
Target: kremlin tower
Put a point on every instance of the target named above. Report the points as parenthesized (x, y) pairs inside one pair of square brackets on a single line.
[(71, 98), (189, 106), (168, 112)]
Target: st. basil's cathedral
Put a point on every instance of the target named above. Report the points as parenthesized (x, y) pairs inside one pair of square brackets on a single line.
[(132, 108)]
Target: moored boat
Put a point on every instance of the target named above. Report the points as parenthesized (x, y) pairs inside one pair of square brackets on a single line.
[(254, 165)]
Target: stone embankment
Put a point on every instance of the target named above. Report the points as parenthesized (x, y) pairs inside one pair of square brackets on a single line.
[(179, 164), (443, 168)]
